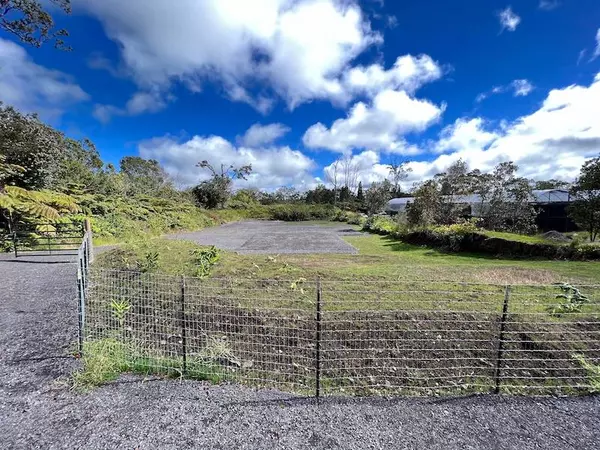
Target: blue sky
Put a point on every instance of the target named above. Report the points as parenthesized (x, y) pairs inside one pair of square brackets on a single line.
[(317, 80)]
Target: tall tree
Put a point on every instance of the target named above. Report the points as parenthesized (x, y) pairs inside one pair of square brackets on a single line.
[(332, 176), (29, 143), (144, 176), (505, 199), (585, 209), (377, 196), (216, 191), (31, 22), (398, 172), (360, 195), (350, 172), (425, 209)]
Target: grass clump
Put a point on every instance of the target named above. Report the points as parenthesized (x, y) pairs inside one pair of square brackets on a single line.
[(103, 361)]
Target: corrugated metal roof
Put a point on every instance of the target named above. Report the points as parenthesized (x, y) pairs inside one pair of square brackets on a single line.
[(539, 197)]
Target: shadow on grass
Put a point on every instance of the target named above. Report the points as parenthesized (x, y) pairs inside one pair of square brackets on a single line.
[(399, 246)]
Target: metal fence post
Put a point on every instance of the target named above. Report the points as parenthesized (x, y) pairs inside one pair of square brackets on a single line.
[(81, 307), (183, 327), (14, 238), (500, 350), (318, 342), (87, 227)]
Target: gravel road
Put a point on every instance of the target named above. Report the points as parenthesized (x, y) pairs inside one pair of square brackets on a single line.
[(37, 409), (271, 237)]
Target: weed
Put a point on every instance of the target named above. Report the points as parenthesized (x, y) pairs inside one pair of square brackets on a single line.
[(572, 300), (205, 259), (119, 309), (593, 371), (149, 263), (103, 361)]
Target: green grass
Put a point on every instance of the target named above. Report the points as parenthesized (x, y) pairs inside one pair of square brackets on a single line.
[(379, 257), (520, 237), (105, 359)]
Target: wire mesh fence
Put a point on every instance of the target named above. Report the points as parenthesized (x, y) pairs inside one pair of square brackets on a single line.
[(349, 337)]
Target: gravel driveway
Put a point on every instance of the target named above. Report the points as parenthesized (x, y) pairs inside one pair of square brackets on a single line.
[(271, 237), (37, 410)]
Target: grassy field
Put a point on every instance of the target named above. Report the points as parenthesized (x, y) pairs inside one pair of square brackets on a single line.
[(404, 320), (378, 257)]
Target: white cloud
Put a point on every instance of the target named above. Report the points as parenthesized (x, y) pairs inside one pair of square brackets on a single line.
[(552, 142), (519, 88), (548, 5), (139, 103), (258, 135), (597, 50), (522, 88), (34, 88), (508, 19), (300, 48), (464, 135), (379, 126), (272, 166), (409, 73)]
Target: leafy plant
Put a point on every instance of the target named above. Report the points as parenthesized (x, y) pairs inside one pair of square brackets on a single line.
[(119, 309), (149, 263), (205, 259), (297, 285), (572, 300)]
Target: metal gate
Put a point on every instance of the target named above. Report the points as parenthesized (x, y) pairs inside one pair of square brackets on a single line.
[(47, 237)]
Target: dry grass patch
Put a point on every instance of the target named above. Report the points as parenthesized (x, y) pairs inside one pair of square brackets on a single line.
[(515, 275)]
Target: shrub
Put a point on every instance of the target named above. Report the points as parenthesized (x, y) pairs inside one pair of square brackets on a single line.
[(301, 212)]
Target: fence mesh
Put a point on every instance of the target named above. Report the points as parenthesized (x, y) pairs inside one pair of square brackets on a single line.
[(349, 337)]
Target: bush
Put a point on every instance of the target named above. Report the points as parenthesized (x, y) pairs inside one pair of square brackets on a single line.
[(381, 225), (480, 243), (301, 212)]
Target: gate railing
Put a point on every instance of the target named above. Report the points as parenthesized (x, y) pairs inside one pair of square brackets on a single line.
[(47, 237)]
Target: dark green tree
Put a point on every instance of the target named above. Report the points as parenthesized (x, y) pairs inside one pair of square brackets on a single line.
[(215, 192), (377, 196), (426, 207), (585, 209), (38, 148), (144, 176), (360, 195)]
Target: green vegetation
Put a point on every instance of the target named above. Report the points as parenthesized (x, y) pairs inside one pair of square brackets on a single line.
[(379, 257), (105, 359)]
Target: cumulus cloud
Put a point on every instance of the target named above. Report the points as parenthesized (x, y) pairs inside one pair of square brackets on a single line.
[(377, 126), (508, 19), (464, 135), (299, 48), (272, 166), (139, 103), (34, 88), (552, 142), (408, 73), (258, 135)]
